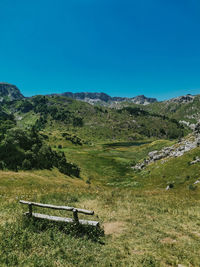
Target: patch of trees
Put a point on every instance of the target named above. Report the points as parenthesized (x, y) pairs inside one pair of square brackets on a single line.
[(134, 111), (7, 122), (157, 125), (24, 105), (40, 123), (25, 150), (73, 138), (45, 107)]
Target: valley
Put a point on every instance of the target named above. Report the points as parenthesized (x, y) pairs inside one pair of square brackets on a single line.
[(62, 151)]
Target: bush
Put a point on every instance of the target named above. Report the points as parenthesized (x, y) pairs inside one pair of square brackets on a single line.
[(26, 150), (2, 165)]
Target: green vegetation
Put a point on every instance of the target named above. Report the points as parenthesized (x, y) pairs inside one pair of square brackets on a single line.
[(143, 226), (25, 150), (143, 223), (180, 111), (93, 123), (111, 163)]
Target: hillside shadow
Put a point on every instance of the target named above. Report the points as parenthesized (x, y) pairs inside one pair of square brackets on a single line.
[(125, 144)]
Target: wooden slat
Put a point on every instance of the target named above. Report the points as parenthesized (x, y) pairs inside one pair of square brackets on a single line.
[(87, 212), (62, 219), (46, 205)]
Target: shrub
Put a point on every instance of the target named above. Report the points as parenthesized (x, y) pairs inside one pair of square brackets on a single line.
[(27, 150)]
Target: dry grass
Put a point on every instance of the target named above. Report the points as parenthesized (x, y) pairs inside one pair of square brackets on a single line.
[(113, 228), (142, 227)]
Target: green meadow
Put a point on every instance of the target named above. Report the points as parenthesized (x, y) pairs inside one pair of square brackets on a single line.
[(141, 223)]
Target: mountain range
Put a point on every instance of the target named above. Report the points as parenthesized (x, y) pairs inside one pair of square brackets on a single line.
[(11, 92), (105, 99)]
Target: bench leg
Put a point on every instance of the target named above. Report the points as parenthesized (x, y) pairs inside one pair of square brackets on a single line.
[(30, 210), (75, 215)]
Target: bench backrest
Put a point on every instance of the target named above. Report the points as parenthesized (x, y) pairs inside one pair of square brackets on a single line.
[(87, 212)]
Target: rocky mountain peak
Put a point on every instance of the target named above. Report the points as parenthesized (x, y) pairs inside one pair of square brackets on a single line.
[(183, 99), (9, 92), (143, 100)]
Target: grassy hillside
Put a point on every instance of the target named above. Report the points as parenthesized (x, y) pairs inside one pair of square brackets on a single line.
[(180, 111), (93, 123), (142, 227), (188, 111), (108, 163), (144, 224)]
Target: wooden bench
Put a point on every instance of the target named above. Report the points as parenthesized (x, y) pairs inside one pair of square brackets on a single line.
[(56, 218)]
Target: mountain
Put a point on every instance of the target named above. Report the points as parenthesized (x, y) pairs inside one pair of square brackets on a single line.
[(88, 96), (130, 120), (104, 99), (93, 123), (182, 99), (143, 100), (118, 118), (9, 92), (183, 108)]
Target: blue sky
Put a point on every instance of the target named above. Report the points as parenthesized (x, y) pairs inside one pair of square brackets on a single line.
[(123, 48)]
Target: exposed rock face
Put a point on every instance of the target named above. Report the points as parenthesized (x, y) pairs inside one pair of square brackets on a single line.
[(9, 92), (102, 98), (87, 96), (143, 100)]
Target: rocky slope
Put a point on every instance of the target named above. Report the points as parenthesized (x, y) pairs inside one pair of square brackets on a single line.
[(182, 99), (9, 92), (179, 149)]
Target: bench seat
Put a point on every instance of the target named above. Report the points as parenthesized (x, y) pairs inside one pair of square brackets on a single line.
[(62, 219)]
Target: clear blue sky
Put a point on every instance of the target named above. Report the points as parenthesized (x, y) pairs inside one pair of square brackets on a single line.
[(123, 48)]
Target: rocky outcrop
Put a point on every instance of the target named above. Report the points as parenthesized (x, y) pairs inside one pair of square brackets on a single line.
[(174, 151), (143, 100), (182, 99), (190, 125), (86, 96), (195, 161), (9, 92)]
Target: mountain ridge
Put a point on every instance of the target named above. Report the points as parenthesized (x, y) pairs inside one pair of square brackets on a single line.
[(103, 98), (11, 92)]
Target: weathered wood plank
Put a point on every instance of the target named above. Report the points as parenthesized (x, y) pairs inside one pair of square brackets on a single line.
[(46, 205), (87, 212), (62, 219)]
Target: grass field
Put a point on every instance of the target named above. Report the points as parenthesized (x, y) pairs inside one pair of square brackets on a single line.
[(144, 225)]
